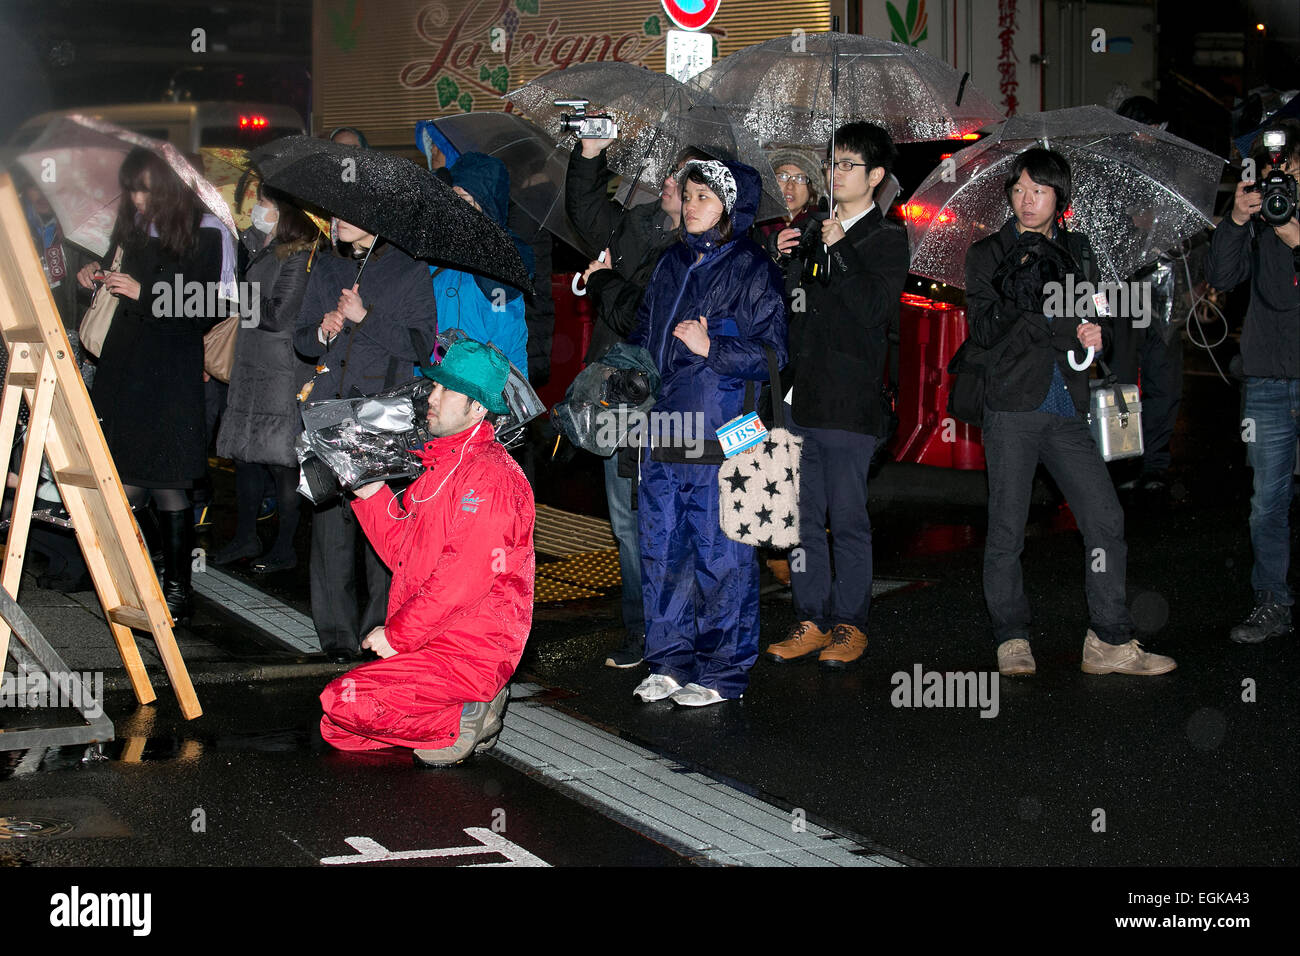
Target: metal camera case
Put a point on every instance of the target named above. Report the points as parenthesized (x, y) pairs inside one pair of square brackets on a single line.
[(1118, 433)]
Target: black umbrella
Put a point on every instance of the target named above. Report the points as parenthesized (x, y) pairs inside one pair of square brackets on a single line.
[(393, 198)]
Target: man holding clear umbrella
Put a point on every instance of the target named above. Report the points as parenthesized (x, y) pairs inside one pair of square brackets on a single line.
[(1035, 402), (632, 240)]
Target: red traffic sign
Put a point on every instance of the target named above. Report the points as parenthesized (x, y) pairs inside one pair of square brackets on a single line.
[(691, 14)]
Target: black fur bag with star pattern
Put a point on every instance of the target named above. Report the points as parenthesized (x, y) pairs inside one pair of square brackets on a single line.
[(758, 490)]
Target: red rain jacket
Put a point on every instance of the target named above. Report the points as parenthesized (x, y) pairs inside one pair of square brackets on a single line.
[(460, 546)]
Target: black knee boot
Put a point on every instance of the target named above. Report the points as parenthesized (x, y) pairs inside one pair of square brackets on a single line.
[(178, 545)]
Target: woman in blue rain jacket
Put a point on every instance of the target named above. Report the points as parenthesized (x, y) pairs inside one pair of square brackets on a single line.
[(712, 308)]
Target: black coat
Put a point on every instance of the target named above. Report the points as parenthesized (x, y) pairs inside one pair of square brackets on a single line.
[(376, 353), (636, 238), (261, 419), (148, 388), (1019, 379), (839, 341)]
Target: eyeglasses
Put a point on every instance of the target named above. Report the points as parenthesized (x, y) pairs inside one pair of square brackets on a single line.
[(843, 165), (799, 178)]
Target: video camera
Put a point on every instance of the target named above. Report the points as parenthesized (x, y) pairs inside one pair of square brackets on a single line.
[(587, 125), (1278, 188)]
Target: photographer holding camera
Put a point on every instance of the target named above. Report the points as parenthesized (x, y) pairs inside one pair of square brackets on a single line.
[(632, 240), (1260, 241)]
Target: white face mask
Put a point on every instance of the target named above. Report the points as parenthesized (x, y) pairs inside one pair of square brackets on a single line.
[(262, 220)]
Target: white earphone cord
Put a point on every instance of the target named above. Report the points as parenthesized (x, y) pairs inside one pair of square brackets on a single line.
[(420, 501)]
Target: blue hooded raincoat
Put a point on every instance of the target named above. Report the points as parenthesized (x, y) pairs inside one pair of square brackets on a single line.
[(700, 587), (486, 309)]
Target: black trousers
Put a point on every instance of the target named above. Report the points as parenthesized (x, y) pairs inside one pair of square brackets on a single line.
[(832, 493), (340, 623), (1014, 444)]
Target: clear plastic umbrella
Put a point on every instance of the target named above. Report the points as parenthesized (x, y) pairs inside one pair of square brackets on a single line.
[(536, 165), (1137, 191), (798, 89), (75, 162), (656, 116)]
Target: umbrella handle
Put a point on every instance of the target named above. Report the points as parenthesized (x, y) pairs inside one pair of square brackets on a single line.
[(577, 276), (1087, 360)]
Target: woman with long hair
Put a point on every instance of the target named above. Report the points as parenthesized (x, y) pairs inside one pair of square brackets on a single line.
[(261, 419), (148, 389), (711, 312)]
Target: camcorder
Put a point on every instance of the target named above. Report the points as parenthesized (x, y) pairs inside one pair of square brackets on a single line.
[(1278, 189), (587, 125)]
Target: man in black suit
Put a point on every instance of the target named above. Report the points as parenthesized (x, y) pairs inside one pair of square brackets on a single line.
[(842, 309)]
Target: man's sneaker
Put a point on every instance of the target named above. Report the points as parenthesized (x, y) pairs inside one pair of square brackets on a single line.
[(804, 638), (1267, 620), (693, 695), (656, 687), (1102, 658), (1015, 659), (480, 722), (629, 654), (846, 646)]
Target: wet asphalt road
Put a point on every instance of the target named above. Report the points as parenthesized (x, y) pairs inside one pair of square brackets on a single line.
[(251, 784), (1073, 769)]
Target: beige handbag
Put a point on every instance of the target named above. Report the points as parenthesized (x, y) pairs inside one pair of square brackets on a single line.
[(94, 324), (219, 348)]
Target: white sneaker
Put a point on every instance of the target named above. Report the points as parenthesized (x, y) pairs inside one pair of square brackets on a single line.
[(693, 695), (656, 687)]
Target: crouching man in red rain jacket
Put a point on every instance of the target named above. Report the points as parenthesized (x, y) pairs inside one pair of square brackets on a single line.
[(460, 546)]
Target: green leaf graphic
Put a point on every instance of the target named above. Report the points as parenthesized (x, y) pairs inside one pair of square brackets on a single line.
[(448, 90), (526, 6), (911, 15), (924, 33), (344, 22), (898, 29), (500, 78), (715, 49), (484, 74), (651, 27), (466, 103)]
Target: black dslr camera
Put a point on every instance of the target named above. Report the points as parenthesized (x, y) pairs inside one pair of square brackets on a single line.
[(587, 125), (811, 251), (1278, 188)]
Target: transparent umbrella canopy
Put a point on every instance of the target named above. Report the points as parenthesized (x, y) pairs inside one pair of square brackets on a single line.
[(798, 89), (656, 115), (536, 165), (1137, 191)]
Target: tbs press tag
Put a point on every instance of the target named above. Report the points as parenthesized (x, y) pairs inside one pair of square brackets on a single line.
[(1102, 304), (741, 434)]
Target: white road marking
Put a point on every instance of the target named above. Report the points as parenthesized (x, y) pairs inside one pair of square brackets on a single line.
[(371, 851)]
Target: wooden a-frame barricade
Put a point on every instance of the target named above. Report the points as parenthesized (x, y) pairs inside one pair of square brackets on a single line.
[(62, 426)]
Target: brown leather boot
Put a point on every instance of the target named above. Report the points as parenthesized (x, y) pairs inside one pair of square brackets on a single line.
[(804, 638), (846, 645), (780, 569)]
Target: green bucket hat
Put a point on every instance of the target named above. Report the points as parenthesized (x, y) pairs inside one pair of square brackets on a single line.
[(474, 369)]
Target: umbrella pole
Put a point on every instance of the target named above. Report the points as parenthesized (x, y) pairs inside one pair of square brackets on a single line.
[(362, 268)]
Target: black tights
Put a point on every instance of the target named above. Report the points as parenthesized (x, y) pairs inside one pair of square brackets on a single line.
[(166, 499), (249, 486)]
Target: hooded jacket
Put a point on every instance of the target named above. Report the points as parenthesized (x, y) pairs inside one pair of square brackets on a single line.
[(736, 286), (459, 542), (486, 309)]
